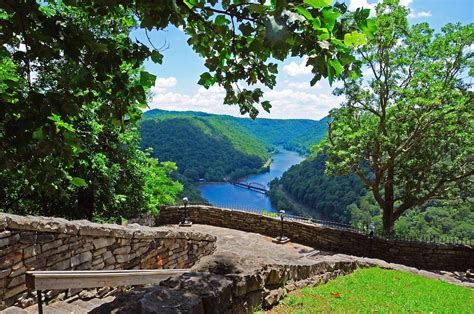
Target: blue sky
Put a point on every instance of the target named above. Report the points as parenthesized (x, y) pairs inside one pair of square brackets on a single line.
[(176, 87)]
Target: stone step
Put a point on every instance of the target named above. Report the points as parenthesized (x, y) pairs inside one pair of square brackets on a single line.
[(93, 303), (67, 307), (13, 310), (60, 307), (47, 309)]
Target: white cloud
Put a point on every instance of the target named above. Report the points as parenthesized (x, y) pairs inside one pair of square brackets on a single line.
[(414, 14), (162, 84), (305, 85), (290, 100), (354, 4), (295, 69)]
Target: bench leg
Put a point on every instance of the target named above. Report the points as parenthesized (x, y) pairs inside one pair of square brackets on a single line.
[(39, 298)]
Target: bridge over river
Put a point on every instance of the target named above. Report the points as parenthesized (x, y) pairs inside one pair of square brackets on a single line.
[(254, 186)]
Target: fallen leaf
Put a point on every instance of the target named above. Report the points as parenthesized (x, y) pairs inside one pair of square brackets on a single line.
[(336, 294)]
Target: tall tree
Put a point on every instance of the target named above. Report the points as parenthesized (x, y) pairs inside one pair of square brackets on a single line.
[(411, 122)]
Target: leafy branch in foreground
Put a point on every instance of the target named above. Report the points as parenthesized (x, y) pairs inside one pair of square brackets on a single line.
[(72, 83)]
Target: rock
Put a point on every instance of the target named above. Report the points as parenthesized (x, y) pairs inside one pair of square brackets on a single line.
[(14, 291), (31, 250), (122, 250), (18, 271), (101, 292), (4, 273), (51, 245), (271, 299), (53, 259), (103, 242), (11, 240), (16, 281), (470, 273), (14, 310), (81, 258), (88, 294), (122, 258), (164, 300)]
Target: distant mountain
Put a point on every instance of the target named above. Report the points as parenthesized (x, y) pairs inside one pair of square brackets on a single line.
[(215, 147), (293, 134), (204, 149)]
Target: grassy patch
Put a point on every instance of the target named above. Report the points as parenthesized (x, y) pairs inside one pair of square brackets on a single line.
[(381, 291)]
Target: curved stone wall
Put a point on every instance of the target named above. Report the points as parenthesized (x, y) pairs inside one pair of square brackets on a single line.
[(41, 243), (428, 256)]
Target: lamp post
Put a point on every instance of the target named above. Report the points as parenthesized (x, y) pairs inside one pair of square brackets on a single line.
[(185, 221), (281, 239), (371, 230)]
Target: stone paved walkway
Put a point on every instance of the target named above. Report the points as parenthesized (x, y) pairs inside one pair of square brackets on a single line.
[(249, 256), (252, 250)]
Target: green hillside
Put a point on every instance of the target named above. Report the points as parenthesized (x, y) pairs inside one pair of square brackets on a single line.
[(293, 134), (305, 189), (204, 149), (324, 197)]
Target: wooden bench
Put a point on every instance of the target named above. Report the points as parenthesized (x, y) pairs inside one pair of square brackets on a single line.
[(58, 280)]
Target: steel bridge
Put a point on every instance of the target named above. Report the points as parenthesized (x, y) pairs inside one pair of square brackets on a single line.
[(254, 186)]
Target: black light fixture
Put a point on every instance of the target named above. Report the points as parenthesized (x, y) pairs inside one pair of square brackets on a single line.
[(185, 221), (281, 239), (371, 231)]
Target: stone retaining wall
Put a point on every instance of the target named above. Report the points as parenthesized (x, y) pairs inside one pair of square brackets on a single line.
[(40, 243), (214, 293), (428, 256)]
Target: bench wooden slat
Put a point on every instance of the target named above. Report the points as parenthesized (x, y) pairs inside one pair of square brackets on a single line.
[(47, 280)]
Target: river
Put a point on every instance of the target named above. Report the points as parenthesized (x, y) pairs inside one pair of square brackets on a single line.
[(227, 195)]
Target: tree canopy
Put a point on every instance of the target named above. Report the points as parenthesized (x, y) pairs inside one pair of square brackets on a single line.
[(72, 86), (411, 122)]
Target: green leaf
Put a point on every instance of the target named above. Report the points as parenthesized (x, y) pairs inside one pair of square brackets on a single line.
[(257, 8), (317, 24), (157, 57), (206, 80), (355, 39), (246, 29), (190, 3), (336, 65), (317, 4), (38, 134), (330, 74), (147, 79), (369, 28), (78, 181), (302, 11), (329, 17), (221, 20), (266, 105)]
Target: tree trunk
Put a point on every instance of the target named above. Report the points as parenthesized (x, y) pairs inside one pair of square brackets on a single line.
[(388, 213), (86, 202), (388, 221)]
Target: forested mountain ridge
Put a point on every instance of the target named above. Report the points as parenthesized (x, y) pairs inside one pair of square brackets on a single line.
[(204, 149), (326, 197), (292, 134), (305, 189)]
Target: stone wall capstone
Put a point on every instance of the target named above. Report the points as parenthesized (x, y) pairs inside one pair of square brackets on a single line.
[(44, 243), (428, 256)]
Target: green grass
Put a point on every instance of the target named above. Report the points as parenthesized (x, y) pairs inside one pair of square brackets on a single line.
[(381, 291)]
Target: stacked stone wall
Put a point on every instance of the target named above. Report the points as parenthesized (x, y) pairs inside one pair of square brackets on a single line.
[(40, 243), (428, 256)]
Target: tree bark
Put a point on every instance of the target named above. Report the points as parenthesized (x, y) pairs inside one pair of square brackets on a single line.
[(86, 202), (388, 220)]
